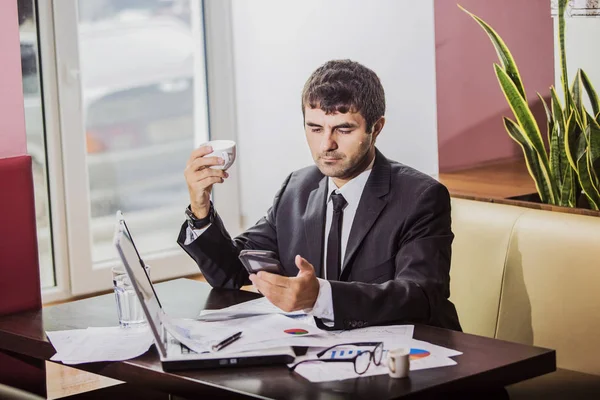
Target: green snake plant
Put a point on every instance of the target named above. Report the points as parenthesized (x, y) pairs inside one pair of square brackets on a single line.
[(570, 166)]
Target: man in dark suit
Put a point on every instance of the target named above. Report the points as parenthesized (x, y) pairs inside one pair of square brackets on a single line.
[(362, 240)]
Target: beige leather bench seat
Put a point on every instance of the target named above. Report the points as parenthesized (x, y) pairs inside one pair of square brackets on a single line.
[(533, 277)]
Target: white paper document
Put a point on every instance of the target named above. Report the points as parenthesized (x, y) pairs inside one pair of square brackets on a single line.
[(424, 355), (392, 337), (99, 344), (250, 308), (258, 332)]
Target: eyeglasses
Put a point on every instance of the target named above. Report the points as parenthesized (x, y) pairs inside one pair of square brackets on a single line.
[(361, 360)]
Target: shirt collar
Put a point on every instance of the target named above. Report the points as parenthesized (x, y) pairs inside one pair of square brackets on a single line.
[(352, 190)]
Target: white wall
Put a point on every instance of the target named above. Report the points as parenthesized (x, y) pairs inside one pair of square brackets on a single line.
[(581, 44), (278, 44)]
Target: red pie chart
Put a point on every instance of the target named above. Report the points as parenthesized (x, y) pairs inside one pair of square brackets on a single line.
[(296, 331)]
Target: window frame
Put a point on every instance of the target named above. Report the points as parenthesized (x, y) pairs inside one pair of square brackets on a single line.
[(58, 227)]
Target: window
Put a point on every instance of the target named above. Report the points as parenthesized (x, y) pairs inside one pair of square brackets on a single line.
[(138, 66)]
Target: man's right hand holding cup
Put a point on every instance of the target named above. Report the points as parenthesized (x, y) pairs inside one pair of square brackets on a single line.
[(200, 178)]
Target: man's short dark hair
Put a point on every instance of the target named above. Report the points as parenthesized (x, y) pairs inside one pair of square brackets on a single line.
[(343, 86)]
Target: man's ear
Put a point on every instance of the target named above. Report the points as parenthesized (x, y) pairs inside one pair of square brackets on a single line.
[(377, 127)]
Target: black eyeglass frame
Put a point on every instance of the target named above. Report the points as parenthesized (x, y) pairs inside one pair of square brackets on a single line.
[(353, 359)]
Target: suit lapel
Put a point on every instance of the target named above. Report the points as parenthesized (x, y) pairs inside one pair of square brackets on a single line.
[(370, 206), (314, 226)]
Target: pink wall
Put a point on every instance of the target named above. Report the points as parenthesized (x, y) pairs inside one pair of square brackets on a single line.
[(12, 119), (469, 100), (31, 375)]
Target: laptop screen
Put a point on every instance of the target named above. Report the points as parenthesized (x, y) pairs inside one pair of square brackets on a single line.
[(121, 219), (140, 281)]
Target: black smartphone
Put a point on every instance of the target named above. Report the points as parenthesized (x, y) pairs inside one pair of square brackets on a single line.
[(260, 260)]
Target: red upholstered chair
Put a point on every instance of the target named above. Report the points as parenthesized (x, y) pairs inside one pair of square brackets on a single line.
[(19, 268)]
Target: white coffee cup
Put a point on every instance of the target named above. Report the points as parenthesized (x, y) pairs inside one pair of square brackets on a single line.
[(398, 361), (224, 149)]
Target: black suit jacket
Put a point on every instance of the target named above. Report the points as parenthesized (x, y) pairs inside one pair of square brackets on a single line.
[(397, 263)]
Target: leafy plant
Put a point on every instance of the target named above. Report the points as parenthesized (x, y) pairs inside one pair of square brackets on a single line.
[(571, 164)]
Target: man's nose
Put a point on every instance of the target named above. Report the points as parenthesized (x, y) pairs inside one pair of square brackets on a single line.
[(328, 143)]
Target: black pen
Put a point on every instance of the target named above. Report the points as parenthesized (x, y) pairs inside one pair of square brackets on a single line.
[(226, 342)]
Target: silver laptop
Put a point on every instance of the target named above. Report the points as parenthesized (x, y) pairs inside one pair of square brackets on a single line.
[(174, 354)]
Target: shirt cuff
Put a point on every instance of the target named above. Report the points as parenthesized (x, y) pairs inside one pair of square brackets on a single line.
[(193, 234), (323, 308)]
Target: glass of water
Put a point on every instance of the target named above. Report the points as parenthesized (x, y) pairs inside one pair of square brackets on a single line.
[(128, 306)]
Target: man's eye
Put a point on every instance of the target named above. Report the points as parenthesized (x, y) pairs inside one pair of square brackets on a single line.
[(315, 130), (344, 132)]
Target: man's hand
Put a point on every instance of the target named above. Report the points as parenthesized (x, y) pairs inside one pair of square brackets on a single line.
[(200, 178), (289, 294)]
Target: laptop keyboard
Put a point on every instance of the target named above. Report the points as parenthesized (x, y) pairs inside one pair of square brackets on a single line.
[(175, 346), (186, 350)]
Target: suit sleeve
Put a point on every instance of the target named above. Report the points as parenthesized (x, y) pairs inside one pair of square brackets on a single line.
[(216, 253), (420, 289)]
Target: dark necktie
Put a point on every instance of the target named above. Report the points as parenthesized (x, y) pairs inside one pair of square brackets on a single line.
[(334, 241)]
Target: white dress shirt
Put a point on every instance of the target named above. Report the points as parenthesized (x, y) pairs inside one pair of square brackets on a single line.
[(352, 192), (193, 234)]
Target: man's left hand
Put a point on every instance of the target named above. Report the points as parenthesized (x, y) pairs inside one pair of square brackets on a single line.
[(289, 294)]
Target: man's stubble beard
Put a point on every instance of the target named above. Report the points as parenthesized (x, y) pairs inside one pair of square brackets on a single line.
[(348, 170)]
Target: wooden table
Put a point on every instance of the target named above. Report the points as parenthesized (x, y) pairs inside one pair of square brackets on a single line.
[(485, 363)]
